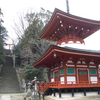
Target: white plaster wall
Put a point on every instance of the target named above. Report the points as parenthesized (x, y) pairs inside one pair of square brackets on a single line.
[(71, 79), (62, 80), (52, 80), (93, 79)]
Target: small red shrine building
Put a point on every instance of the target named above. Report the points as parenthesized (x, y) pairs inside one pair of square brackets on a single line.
[(69, 68)]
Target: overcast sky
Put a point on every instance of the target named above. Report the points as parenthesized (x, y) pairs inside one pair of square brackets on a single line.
[(83, 8)]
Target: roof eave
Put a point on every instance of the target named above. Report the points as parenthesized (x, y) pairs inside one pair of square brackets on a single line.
[(65, 15)]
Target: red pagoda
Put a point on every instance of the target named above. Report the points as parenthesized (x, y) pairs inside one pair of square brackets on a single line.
[(69, 68)]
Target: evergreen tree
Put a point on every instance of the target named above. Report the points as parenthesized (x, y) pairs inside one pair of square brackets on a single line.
[(3, 35)]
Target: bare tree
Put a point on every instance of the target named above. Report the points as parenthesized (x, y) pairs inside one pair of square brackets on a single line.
[(28, 31)]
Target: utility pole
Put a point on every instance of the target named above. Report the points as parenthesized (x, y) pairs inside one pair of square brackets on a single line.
[(67, 6)]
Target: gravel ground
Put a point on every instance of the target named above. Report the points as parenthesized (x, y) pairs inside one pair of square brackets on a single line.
[(21, 97), (90, 98), (74, 98)]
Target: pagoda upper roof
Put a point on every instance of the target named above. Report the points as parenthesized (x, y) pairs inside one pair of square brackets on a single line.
[(62, 24), (49, 58)]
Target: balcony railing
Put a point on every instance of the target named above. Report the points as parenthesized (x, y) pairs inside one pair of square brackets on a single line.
[(67, 84)]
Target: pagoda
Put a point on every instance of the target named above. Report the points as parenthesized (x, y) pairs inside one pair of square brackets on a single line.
[(69, 68)]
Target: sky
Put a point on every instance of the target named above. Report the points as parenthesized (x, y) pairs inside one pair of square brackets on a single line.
[(83, 8)]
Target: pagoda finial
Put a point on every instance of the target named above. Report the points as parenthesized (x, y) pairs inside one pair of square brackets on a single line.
[(67, 5)]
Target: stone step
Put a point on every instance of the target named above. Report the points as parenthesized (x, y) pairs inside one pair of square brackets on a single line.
[(9, 82)]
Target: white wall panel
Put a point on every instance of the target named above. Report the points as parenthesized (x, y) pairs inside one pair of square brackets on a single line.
[(92, 66), (71, 79), (52, 80), (62, 80), (93, 79)]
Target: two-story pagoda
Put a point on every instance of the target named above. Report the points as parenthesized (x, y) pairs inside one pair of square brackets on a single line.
[(69, 68)]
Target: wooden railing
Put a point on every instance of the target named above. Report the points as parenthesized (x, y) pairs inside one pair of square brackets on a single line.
[(43, 86), (62, 84)]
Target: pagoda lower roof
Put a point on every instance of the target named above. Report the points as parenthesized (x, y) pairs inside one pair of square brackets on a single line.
[(59, 51), (62, 24)]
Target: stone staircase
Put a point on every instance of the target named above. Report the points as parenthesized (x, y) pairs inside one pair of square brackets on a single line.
[(9, 82)]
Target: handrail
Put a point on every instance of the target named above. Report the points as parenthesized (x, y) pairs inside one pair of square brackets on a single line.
[(67, 84), (43, 86)]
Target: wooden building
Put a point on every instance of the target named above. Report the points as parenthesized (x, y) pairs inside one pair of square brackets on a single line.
[(69, 68)]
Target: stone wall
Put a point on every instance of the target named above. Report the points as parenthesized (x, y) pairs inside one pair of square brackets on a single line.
[(21, 80)]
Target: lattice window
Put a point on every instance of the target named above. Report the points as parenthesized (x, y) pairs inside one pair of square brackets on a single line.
[(52, 74), (70, 71), (61, 71), (92, 71)]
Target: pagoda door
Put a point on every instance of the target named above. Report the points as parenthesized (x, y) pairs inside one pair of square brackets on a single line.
[(56, 76), (83, 75)]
